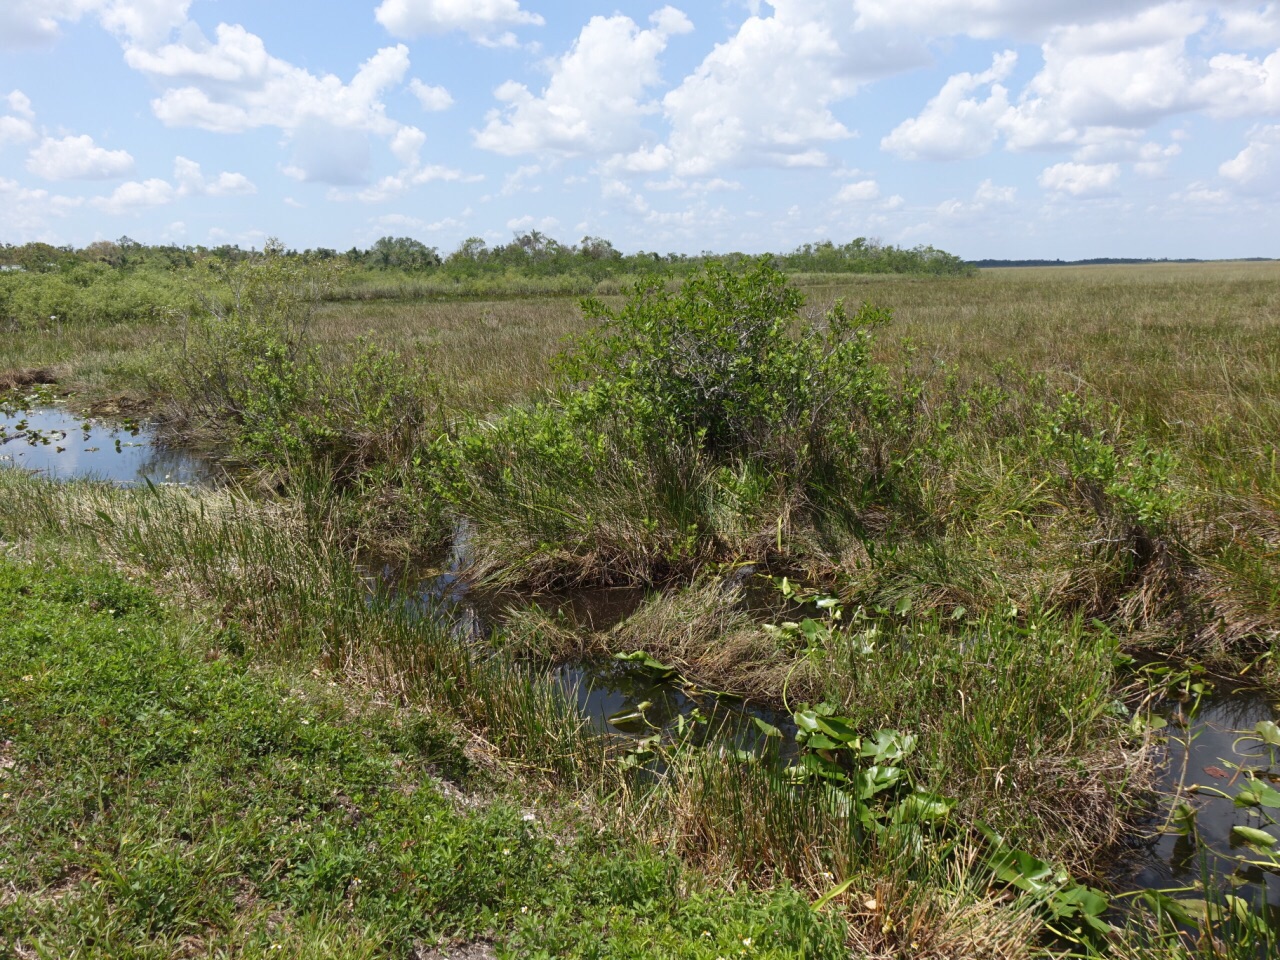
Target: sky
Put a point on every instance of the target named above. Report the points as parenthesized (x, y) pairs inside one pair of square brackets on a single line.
[(989, 128)]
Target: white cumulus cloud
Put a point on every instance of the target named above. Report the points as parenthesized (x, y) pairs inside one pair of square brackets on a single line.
[(192, 181), (861, 191), (134, 195), (1256, 168), (955, 124), (432, 98), (78, 158), (1080, 179), (763, 96), (480, 19), (594, 101), (235, 85)]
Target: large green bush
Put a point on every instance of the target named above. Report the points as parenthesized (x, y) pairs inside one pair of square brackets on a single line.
[(728, 361)]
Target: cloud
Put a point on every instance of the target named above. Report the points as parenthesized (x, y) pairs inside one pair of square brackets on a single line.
[(144, 22), (479, 19), (988, 194), (1254, 26), (395, 221), (26, 212), (134, 196), (593, 102), (986, 18), (1080, 179), (235, 85), (526, 223), (433, 99), (763, 96), (26, 23), (862, 191), (517, 182), (954, 125), (16, 130), (20, 104), (78, 158), (988, 199), (1256, 168), (34, 23), (191, 181)]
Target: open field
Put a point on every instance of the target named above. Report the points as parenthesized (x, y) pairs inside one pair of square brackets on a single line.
[(1012, 519)]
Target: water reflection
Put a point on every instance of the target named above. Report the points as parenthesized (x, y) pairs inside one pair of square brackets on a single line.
[(53, 442), (1208, 751)]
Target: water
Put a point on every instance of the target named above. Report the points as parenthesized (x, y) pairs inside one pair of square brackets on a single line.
[(53, 442), (1205, 750), (1207, 755)]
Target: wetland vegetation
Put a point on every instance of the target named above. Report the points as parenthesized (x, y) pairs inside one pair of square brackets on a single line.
[(930, 564)]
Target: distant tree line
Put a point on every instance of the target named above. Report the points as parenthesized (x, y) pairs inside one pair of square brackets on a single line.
[(532, 254), (1098, 261)]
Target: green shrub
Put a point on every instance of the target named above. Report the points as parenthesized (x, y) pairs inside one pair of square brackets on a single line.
[(249, 371), (727, 361)]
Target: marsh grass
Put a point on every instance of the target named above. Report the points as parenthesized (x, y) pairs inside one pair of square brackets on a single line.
[(164, 797), (281, 584), (1071, 445)]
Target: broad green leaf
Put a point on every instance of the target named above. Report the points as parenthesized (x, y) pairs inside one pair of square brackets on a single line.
[(925, 807), (820, 741), (806, 720), (647, 662), (874, 780), (838, 728), (1252, 835), (889, 746), (1269, 732), (768, 729), (1176, 910)]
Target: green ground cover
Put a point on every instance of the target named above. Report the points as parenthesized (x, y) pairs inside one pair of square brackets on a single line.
[(162, 797)]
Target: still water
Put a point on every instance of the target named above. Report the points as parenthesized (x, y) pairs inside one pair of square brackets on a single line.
[(53, 442)]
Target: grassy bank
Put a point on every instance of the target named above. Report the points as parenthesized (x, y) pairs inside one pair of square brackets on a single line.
[(164, 797)]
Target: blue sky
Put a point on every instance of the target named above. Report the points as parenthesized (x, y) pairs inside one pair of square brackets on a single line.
[(991, 128)]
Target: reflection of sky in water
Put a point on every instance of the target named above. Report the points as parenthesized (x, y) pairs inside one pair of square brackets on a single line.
[(1172, 861), (77, 448)]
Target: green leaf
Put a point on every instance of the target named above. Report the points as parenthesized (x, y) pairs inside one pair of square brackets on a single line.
[(1176, 910), (768, 729), (820, 741), (924, 808), (1254, 836), (837, 728), (643, 659), (831, 894), (874, 780), (806, 720), (1269, 732), (889, 746)]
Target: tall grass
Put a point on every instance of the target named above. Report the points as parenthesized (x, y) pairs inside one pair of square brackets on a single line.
[(278, 580)]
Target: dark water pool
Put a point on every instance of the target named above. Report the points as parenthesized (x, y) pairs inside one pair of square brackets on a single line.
[(1212, 752)]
